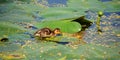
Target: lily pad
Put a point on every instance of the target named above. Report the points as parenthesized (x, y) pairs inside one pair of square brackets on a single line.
[(7, 47), (8, 28), (65, 26)]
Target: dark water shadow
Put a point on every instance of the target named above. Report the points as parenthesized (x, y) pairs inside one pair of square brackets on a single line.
[(58, 42), (63, 43), (84, 22)]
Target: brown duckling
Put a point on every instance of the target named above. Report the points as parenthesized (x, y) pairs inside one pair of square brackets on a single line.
[(43, 33), (47, 33)]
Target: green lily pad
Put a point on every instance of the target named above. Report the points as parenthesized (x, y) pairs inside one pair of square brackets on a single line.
[(61, 13), (7, 47), (65, 26), (8, 28)]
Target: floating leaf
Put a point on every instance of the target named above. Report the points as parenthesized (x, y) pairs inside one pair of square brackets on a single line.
[(61, 13), (93, 5), (65, 26), (63, 58), (13, 57), (6, 47), (8, 28)]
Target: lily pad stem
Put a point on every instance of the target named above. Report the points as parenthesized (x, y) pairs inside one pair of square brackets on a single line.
[(98, 22)]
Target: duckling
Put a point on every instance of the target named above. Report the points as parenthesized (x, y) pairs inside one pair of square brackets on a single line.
[(47, 33), (43, 33)]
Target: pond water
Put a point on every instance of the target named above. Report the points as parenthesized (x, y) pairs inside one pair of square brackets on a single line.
[(109, 26)]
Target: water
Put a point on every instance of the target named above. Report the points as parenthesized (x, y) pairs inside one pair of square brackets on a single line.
[(53, 3), (108, 25), (105, 0), (57, 2)]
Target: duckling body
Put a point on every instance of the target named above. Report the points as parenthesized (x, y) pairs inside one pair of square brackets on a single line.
[(47, 33), (43, 33)]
